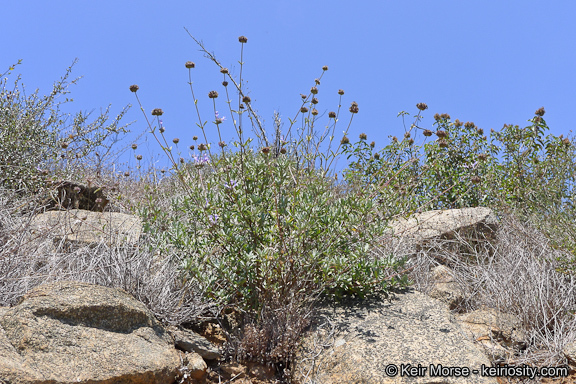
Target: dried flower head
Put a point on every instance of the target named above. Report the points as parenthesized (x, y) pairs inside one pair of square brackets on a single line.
[(266, 150), (325, 68), (190, 64), (422, 106), (162, 129), (566, 141), (157, 112), (441, 134), (427, 132), (317, 81), (480, 131), (469, 125), (377, 156), (436, 116), (445, 116), (202, 147), (225, 83), (340, 92), (134, 88), (194, 137), (332, 115), (482, 156), (246, 99), (64, 145), (126, 174), (243, 39), (181, 160), (540, 111), (363, 136), (221, 144), (224, 70), (443, 143), (191, 147), (457, 123), (314, 112), (134, 146), (139, 157), (354, 107), (314, 100), (175, 140), (283, 151), (411, 141), (345, 140), (212, 94), (303, 109), (372, 144), (476, 179), (407, 135), (314, 90), (394, 139)]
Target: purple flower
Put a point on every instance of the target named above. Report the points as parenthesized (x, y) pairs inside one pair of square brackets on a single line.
[(219, 119), (201, 160), (213, 218), (233, 183)]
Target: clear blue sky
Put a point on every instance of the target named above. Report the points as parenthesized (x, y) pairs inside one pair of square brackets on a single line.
[(490, 62)]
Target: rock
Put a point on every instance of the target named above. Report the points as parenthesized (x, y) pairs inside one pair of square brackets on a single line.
[(499, 333), (88, 227), (68, 332), (476, 224), (189, 341), (375, 334), (195, 366), (446, 289)]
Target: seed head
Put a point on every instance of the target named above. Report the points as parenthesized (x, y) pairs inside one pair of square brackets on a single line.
[(224, 70), (314, 112), (283, 151), (480, 131), (266, 150), (157, 112), (377, 156), (202, 147), (190, 64), (441, 134), (314, 90), (176, 140), (246, 99), (443, 143), (345, 140), (354, 107), (427, 132), (407, 135), (194, 137), (476, 179), (469, 125), (445, 116), (394, 139), (181, 160), (566, 141), (126, 174), (436, 117), (332, 115), (134, 88), (372, 144), (213, 94), (325, 68), (225, 83), (540, 111), (317, 81), (162, 129), (411, 141), (482, 156), (422, 106), (457, 123), (139, 157), (241, 106), (303, 109), (340, 92), (64, 145), (363, 136), (243, 39), (191, 147), (134, 146), (221, 144)]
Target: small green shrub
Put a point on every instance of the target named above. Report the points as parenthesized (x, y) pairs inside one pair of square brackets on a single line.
[(35, 140), (265, 229)]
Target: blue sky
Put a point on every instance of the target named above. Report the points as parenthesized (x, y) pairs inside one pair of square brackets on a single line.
[(490, 62)]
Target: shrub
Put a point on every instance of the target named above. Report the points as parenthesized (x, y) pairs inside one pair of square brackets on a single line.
[(35, 140), (264, 229)]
